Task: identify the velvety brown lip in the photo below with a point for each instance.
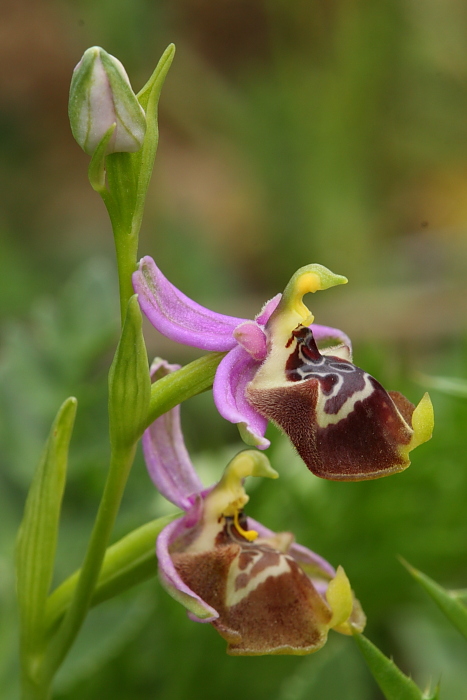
(364, 442)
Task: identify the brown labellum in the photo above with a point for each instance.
(266, 603)
(343, 423)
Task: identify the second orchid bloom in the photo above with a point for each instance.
(261, 591)
(342, 422)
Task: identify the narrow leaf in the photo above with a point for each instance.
(449, 601)
(435, 695)
(460, 595)
(129, 380)
(149, 94)
(37, 537)
(143, 160)
(128, 562)
(453, 386)
(394, 684)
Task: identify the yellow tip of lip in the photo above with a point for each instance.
(339, 597)
(423, 420)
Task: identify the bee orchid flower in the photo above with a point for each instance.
(260, 590)
(283, 367)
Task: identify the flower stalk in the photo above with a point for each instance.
(121, 177)
(129, 387)
(120, 465)
(119, 130)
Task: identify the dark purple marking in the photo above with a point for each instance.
(338, 378)
(365, 443)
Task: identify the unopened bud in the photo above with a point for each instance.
(100, 96)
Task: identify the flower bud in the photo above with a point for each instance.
(100, 96)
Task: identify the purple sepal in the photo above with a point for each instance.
(166, 456)
(170, 579)
(247, 344)
(179, 318)
(306, 557)
(233, 374)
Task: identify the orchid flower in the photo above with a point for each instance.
(342, 422)
(262, 592)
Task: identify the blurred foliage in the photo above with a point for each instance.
(290, 133)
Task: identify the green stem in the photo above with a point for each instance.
(120, 202)
(128, 562)
(179, 386)
(126, 247)
(120, 465)
(127, 178)
(166, 393)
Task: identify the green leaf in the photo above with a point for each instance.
(37, 537)
(449, 601)
(128, 174)
(129, 392)
(394, 684)
(149, 94)
(453, 386)
(129, 381)
(460, 595)
(128, 562)
(143, 160)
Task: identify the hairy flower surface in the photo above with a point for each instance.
(262, 592)
(343, 423)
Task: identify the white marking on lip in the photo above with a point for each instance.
(320, 369)
(324, 419)
(233, 597)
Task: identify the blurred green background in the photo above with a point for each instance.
(330, 131)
